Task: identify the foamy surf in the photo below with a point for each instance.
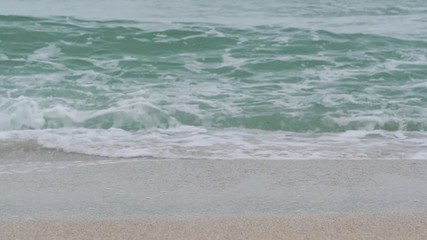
(201, 143)
(217, 80)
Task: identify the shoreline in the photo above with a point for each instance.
(139, 188)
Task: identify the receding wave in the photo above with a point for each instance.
(224, 144)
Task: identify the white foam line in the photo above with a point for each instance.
(41, 167)
(61, 167)
(50, 166)
(23, 171)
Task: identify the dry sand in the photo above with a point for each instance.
(293, 227)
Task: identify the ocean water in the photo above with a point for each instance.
(215, 79)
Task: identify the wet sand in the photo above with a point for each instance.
(61, 196)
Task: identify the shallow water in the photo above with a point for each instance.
(203, 80)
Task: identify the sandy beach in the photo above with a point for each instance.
(55, 195)
(294, 227)
(147, 119)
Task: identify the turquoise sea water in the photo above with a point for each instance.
(200, 79)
